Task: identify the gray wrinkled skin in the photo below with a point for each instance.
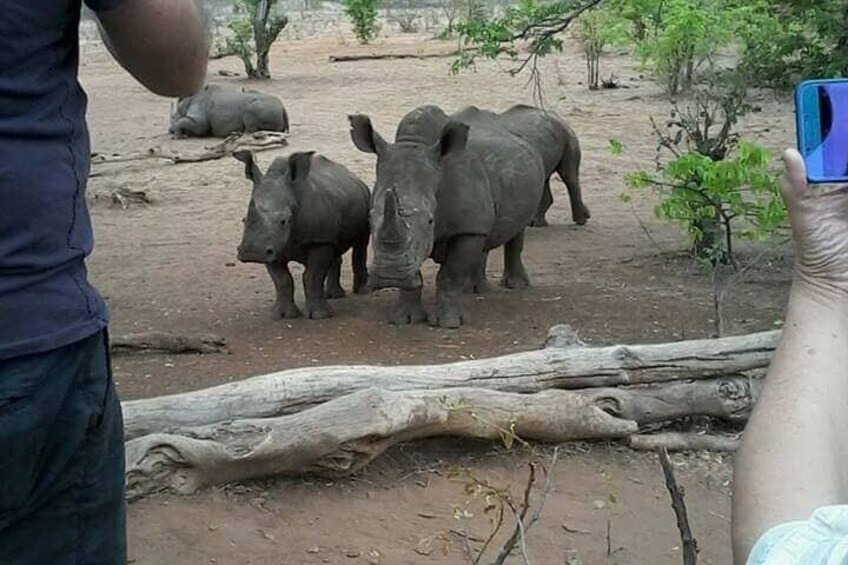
(556, 143)
(310, 210)
(218, 112)
(449, 192)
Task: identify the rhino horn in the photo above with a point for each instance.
(391, 232)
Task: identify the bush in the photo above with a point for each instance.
(716, 186)
(595, 30)
(363, 14)
(253, 30)
(783, 43)
(687, 34)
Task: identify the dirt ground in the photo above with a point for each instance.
(623, 277)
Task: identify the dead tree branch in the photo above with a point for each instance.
(690, 544)
(169, 343)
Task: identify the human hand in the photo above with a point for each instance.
(819, 224)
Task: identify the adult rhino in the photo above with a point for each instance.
(553, 139)
(218, 112)
(452, 200)
(311, 210)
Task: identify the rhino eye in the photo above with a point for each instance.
(430, 222)
(283, 222)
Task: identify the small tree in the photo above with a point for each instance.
(254, 29)
(687, 34)
(363, 14)
(595, 30)
(716, 186)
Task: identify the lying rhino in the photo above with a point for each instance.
(217, 112)
(556, 143)
(307, 209)
(471, 190)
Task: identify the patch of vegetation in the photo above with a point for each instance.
(363, 14)
(254, 28)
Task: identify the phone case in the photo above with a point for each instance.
(808, 132)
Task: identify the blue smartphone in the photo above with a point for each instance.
(821, 123)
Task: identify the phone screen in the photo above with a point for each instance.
(823, 132)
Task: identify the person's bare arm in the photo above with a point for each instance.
(794, 454)
(162, 43)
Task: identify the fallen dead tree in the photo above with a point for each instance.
(569, 366)
(258, 141)
(168, 343)
(335, 420)
(383, 56)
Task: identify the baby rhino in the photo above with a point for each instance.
(218, 112)
(310, 210)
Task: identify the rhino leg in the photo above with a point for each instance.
(569, 171)
(360, 267)
(409, 309)
(461, 264)
(284, 307)
(479, 284)
(333, 287)
(545, 204)
(514, 274)
(319, 259)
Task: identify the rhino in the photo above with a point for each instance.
(218, 112)
(451, 199)
(556, 143)
(311, 210)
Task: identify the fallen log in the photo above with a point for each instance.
(570, 367)
(383, 56)
(675, 441)
(343, 435)
(169, 343)
(258, 141)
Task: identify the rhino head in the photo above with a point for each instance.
(403, 202)
(273, 205)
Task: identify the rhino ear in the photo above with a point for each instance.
(299, 165)
(454, 138)
(364, 137)
(251, 169)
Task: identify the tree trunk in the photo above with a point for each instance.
(341, 436)
(569, 367)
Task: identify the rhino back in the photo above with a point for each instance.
(515, 177)
(332, 206)
(545, 131)
(492, 188)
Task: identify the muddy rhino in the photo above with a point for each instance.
(218, 112)
(311, 210)
(471, 190)
(554, 140)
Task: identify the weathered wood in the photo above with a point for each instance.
(553, 367)
(382, 56)
(257, 141)
(673, 441)
(689, 544)
(170, 343)
(341, 436)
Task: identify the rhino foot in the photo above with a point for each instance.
(318, 311)
(334, 292)
(402, 314)
(581, 215)
(476, 287)
(447, 320)
(286, 311)
(539, 222)
(515, 281)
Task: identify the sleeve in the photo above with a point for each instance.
(103, 5)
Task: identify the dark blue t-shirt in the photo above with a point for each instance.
(45, 231)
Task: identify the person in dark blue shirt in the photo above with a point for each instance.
(61, 432)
